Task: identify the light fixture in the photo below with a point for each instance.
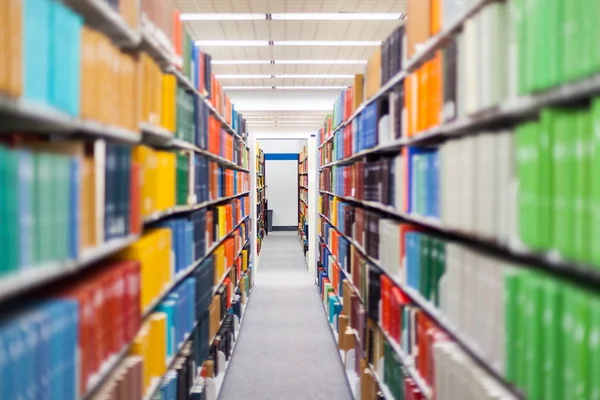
(254, 43)
(355, 43)
(315, 76)
(242, 76)
(231, 43)
(223, 17)
(316, 62)
(336, 16)
(240, 62)
(293, 17)
(284, 76)
(284, 87)
(321, 62)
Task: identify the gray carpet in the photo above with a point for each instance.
(285, 349)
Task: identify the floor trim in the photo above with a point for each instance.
(284, 228)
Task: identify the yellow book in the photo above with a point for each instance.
(222, 221)
(358, 91)
(140, 348)
(153, 253)
(334, 211)
(244, 259)
(169, 105)
(15, 19)
(219, 262)
(158, 323)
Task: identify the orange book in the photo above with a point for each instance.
(5, 55)
(177, 35)
(209, 228)
(438, 88)
(436, 16)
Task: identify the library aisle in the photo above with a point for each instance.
(285, 349)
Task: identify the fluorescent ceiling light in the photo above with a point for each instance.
(223, 17)
(320, 62)
(240, 62)
(251, 43)
(242, 76)
(282, 117)
(316, 62)
(316, 76)
(293, 17)
(336, 16)
(230, 43)
(284, 87)
(326, 43)
(284, 76)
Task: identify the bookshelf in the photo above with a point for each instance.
(136, 187)
(261, 199)
(420, 204)
(303, 199)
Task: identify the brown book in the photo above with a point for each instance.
(373, 74)
(368, 387)
(343, 323)
(349, 339)
(5, 56)
(15, 19)
(418, 26)
(347, 291)
(209, 368)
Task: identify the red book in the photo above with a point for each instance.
(177, 39)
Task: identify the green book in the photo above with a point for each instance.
(12, 212)
(553, 347)
(187, 55)
(568, 325)
(545, 171)
(586, 25)
(594, 348)
(562, 182)
(583, 178)
(425, 265)
(552, 38)
(44, 184)
(570, 167)
(595, 184)
(182, 178)
(438, 270)
(572, 51)
(528, 178)
(580, 343)
(511, 323)
(535, 337)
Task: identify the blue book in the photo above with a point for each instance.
(110, 206)
(167, 307)
(25, 208)
(188, 241)
(74, 201)
(37, 37)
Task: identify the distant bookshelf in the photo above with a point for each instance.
(261, 199)
(303, 198)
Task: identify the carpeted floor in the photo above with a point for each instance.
(285, 349)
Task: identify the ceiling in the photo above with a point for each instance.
(267, 67)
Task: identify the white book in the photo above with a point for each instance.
(471, 66)
(505, 181)
(399, 183)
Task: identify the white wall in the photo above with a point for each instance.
(282, 180)
(282, 145)
(273, 132)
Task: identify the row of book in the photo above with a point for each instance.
(114, 83)
(378, 305)
(166, 179)
(468, 183)
(63, 200)
(492, 305)
(64, 69)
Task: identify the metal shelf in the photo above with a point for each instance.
(23, 282)
(101, 16)
(157, 216)
(25, 116)
(587, 276)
